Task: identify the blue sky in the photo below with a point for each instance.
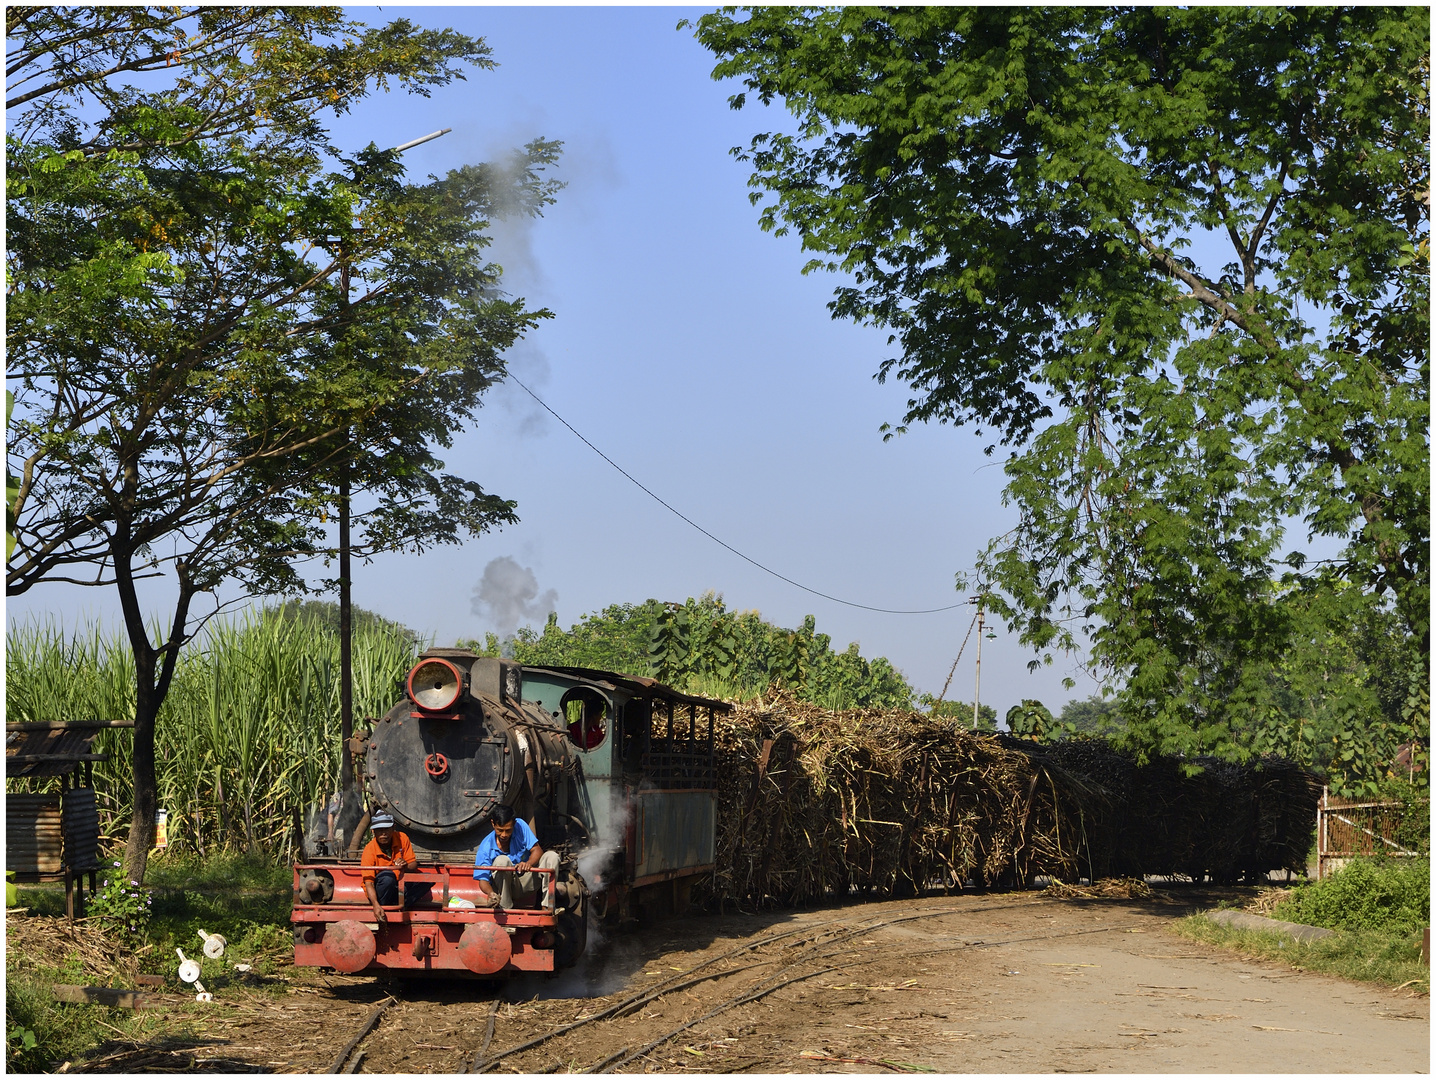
(689, 348)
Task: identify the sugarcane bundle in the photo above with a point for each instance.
(815, 804)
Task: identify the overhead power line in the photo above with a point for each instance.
(705, 532)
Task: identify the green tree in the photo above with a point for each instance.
(701, 647)
(1338, 699)
(1030, 719)
(1177, 259)
(1094, 715)
(961, 711)
(209, 327)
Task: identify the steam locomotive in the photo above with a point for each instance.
(614, 773)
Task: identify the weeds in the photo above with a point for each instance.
(1377, 907)
(121, 907)
(1360, 955)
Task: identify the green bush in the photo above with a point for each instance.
(1390, 895)
(1414, 831)
(121, 908)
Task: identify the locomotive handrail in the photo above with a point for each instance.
(552, 873)
(442, 874)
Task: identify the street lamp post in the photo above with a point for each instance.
(977, 685)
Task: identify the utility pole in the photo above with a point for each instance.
(977, 685)
(346, 617)
(346, 635)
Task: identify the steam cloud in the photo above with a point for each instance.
(511, 234)
(508, 594)
(530, 364)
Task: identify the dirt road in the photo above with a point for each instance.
(994, 983)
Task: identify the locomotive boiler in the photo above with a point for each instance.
(614, 773)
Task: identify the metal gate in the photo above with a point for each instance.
(1351, 828)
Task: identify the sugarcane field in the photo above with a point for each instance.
(757, 540)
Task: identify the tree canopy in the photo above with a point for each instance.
(215, 317)
(1177, 261)
(701, 647)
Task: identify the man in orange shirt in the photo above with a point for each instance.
(389, 849)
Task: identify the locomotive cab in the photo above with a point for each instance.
(646, 753)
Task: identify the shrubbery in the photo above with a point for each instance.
(1390, 895)
(122, 909)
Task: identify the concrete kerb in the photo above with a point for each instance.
(1240, 920)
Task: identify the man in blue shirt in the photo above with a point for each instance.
(512, 844)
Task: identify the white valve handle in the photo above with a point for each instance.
(188, 969)
(213, 945)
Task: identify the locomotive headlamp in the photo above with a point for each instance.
(435, 685)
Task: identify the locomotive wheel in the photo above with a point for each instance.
(572, 938)
(608, 905)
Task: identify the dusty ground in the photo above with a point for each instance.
(974, 983)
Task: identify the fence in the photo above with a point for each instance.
(1350, 828)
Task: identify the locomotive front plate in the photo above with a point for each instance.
(439, 775)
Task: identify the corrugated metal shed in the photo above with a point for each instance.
(81, 828)
(33, 834)
(48, 749)
(54, 833)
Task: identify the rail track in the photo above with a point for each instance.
(897, 986)
(761, 966)
(770, 961)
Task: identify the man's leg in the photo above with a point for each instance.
(533, 886)
(504, 880)
(549, 861)
(386, 888)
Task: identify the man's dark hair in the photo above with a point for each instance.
(501, 815)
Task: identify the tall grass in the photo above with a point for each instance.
(248, 733)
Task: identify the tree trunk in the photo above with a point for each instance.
(142, 823)
(154, 670)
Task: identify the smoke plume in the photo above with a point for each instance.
(508, 594)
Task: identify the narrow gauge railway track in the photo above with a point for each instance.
(791, 956)
(822, 941)
(350, 1055)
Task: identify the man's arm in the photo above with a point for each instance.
(486, 888)
(374, 900)
(402, 864)
(532, 858)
